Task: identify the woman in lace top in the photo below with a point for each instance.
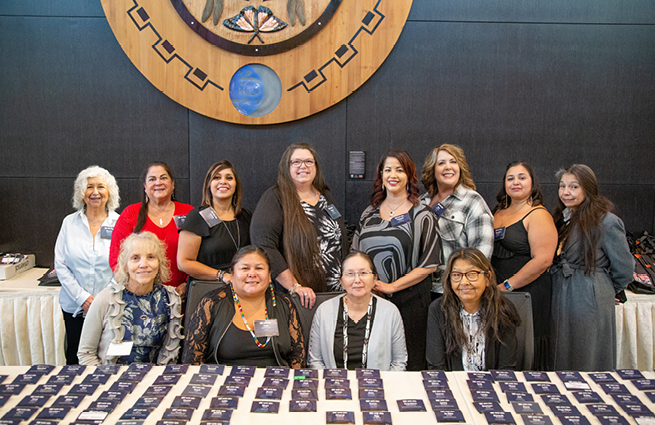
(246, 322)
(137, 316)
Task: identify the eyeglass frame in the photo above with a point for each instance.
(476, 273)
(300, 162)
(355, 274)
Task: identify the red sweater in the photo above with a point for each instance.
(168, 234)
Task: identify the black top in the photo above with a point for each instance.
(219, 243)
(238, 348)
(356, 332)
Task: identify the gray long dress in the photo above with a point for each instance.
(583, 322)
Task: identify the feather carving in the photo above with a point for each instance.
(218, 9)
(300, 11)
(291, 10)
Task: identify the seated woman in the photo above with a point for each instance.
(473, 326)
(137, 310)
(222, 329)
(358, 329)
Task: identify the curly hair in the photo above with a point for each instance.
(427, 175)
(121, 274)
(587, 217)
(536, 197)
(300, 239)
(497, 312)
(207, 198)
(379, 192)
(79, 188)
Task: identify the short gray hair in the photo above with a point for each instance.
(82, 180)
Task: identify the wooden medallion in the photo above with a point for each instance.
(257, 62)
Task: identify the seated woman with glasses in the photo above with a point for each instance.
(473, 326)
(358, 329)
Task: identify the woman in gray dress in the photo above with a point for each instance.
(592, 263)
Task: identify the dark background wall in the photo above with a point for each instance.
(552, 82)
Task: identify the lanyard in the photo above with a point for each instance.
(366, 334)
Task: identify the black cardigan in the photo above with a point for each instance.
(498, 355)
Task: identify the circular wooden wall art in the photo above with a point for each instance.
(257, 61)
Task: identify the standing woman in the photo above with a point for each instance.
(213, 233)
(155, 214)
(298, 225)
(82, 250)
(593, 263)
(464, 219)
(525, 243)
(399, 234)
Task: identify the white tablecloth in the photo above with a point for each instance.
(634, 332)
(397, 386)
(32, 327)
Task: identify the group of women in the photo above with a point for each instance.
(407, 250)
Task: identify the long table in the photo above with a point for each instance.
(32, 327)
(396, 386)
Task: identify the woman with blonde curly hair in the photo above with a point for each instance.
(137, 313)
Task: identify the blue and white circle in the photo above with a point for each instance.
(255, 90)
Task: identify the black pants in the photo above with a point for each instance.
(73, 332)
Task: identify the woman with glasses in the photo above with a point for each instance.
(299, 226)
(358, 329)
(473, 326)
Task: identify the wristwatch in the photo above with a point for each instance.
(508, 286)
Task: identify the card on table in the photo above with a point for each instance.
(103, 406)
(106, 396)
(536, 420)
(181, 413)
(225, 402)
(516, 387)
(42, 369)
(186, 401)
(521, 407)
(563, 409)
(487, 406)
(370, 383)
(109, 369)
(536, 376)
(371, 393)
(573, 420)
(637, 409)
(196, 390)
(140, 367)
(644, 384)
(584, 397)
(612, 388)
(91, 416)
(569, 375)
(234, 390)
(276, 372)
(599, 377)
(479, 376)
(305, 384)
(411, 405)
(626, 399)
(338, 394)
(367, 373)
(156, 391)
(480, 385)
(629, 374)
(265, 406)
(555, 399)
(270, 393)
(433, 394)
(484, 395)
(136, 414)
(34, 400)
(148, 403)
(523, 397)
(335, 373)
(337, 383)
(83, 389)
(243, 370)
(72, 369)
(602, 409)
(303, 394)
(27, 378)
(176, 369)
(444, 404)
(302, 406)
(433, 374)
(377, 418)
(132, 376)
(61, 379)
(217, 415)
(542, 388)
(435, 384)
(612, 419)
(242, 380)
(503, 375)
(340, 417)
(449, 415)
(276, 382)
(305, 374)
(212, 369)
(47, 389)
(499, 418)
(373, 405)
(128, 387)
(96, 378)
(167, 380)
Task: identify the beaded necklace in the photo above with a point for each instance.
(243, 317)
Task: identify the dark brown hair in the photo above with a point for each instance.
(246, 250)
(504, 200)
(207, 198)
(143, 211)
(587, 217)
(380, 194)
(427, 175)
(362, 255)
(301, 249)
(497, 312)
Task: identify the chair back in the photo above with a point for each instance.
(195, 292)
(307, 314)
(525, 332)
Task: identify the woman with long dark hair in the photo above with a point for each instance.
(592, 264)
(155, 213)
(399, 234)
(525, 243)
(473, 326)
(299, 226)
(214, 232)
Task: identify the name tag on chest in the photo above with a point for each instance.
(106, 231)
(266, 328)
(179, 220)
(438, 209)
(210, 217)
(400, 219)
(333, 211)
(499, 233)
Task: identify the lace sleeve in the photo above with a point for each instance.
(197, 334)
(298, 353)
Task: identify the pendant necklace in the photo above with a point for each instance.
(393, 210)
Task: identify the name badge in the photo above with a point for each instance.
(210, 217)
(499, 233)
(105, 232)
(120, 349)
(266, 328)
(179, 220)
(438, 208)
(333, 211)
(400, 219)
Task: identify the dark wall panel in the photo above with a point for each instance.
(82, 8)
(554, 11)
(256, 151)
(69, 97)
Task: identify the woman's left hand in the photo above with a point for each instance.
(181, 289)
(385, 288)
(307, 296)
(501, 287)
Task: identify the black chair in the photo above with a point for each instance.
(524, 333)
(196, 290)
(307, 314)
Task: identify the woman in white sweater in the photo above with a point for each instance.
(358, 329)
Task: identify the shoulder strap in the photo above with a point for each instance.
(533, 210)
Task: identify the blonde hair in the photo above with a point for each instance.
(427, 175)
(121, 274)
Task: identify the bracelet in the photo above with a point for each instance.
(293, 288)
(219, 276)
(508, 286)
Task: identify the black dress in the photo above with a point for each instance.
(510, 255)
(221, 242)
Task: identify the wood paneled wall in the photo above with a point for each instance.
(551, 82)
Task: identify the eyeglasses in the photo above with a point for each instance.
(471, 276)
(352, 275)
(298, 162)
